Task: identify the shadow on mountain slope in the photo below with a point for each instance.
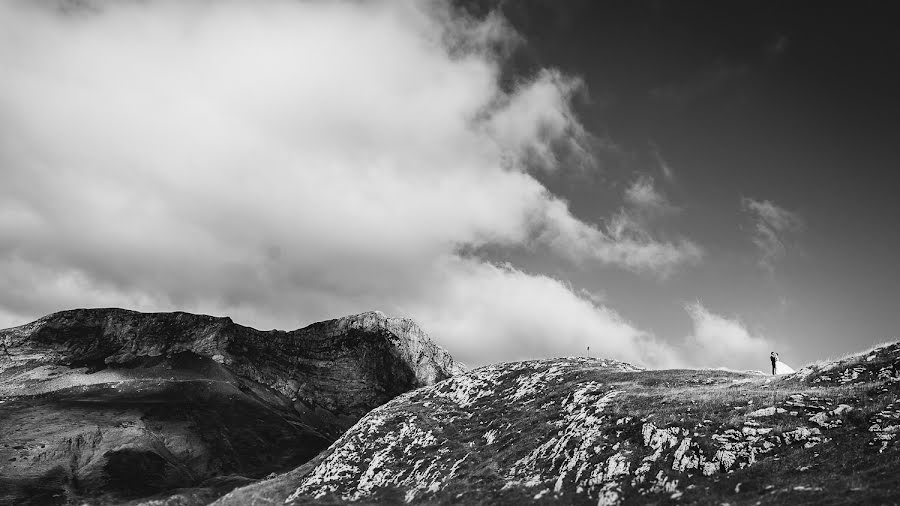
(106, 406)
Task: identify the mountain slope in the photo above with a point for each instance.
(115, 404)
(586, 431)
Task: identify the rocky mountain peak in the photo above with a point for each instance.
(405, 357)
(129, 404)
(431, 362)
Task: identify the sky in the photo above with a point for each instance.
(690, 184)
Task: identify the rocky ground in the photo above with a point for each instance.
(108, 406)
(116, 407)
(588, 431)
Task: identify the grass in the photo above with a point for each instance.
(860, 355)
(839, 466)
(824, 474)
(842, 471)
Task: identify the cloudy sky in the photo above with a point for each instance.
(688, 184)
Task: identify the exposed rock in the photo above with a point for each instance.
(770, 411)
(112, 404)
(591, 431)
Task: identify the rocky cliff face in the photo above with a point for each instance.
(586, 431)
(109, 404)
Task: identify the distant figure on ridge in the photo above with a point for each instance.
(774, 358)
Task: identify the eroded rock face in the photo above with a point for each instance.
(109, 404)
(588, 431)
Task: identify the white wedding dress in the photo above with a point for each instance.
(782, 368)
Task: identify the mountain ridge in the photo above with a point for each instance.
(594, 431)
(122, 336)
(366, 409)
(116, 404)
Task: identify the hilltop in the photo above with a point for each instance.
(108, 405)
(116, 407)
(592, 431)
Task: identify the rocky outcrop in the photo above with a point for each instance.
(588, 431)
(109, 404)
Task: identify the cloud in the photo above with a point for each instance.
(773, 227)
(625, 241)
(664, 166)
(645, 206)
(717, 341)
(540, 111)
(643, 196)
(285, 162)
(506, 314)
(701, 84)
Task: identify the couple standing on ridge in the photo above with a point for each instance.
(774, 358)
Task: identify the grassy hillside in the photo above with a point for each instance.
(592, 431)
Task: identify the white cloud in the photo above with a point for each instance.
(630, 230)
(772, 229)
(540, 111)
(645, 200)
(718, 341)
(507, 314)
(643, 194)
(625, 241)
(284, 162)
(664, 166)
